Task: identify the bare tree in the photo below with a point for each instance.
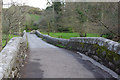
(103, 17)
(48, 17)
(0, 25)
(15, 19)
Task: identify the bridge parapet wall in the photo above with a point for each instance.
(105, 51)
(12, 57)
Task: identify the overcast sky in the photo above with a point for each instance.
(42, 3)
(35, 3)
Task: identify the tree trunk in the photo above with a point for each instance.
(119, 22)
(0, 25)
(48, 28)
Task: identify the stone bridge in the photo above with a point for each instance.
(36, 56)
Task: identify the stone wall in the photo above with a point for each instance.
(104, 51)
(12, 57)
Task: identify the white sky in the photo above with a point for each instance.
(35, 3)
(42, 3)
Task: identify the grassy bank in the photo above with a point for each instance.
(35, 17)
(5, 37)
(69, 35)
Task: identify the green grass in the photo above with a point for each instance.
(4, 38)
(35, 17)
(69, 35)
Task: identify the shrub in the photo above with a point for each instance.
(64, 29)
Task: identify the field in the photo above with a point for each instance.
(35, 17)
(4, 38)
(69, 35)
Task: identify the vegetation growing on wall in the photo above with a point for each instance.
(104, 56)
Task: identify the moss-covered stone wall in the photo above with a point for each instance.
(104, 51)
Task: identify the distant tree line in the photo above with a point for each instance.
(82, 17)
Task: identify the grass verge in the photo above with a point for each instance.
(69, 35)
(4, 37)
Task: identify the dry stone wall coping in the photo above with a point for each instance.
(109, 44)
(12, 56)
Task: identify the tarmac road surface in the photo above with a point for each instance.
(47, 61)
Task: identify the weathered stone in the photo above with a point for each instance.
(10, 57)
(118, 70)
(111, 65)
(93, 52)
(100, 49)
(117, 62)
(103, 53)
(96, 58)
(32, 32)
(86, 53)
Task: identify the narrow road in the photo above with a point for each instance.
(48, 61)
